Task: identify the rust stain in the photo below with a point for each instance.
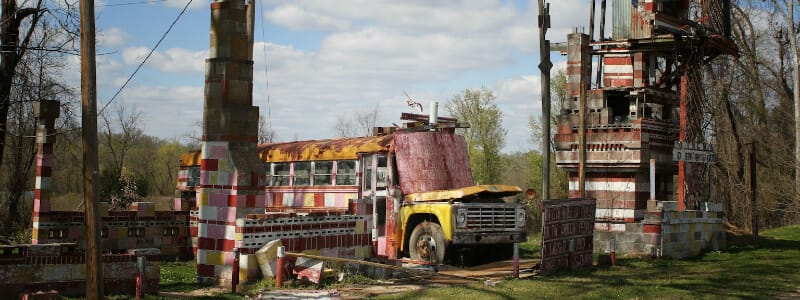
(191, 158)
(498, 190)
(331, 149)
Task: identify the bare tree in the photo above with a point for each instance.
(25, 28)
(120, 134)
(358, 124)
(30, 67)
(265, 132)
(786, 9)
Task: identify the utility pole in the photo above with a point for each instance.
(544, 67)
(94, 268)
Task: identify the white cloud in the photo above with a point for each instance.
(113, 37)
(298, 18)
(174, 60)
(368, 54)
(181, 3)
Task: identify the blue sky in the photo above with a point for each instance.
(328, 59)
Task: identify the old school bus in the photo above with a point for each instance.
(415, 184)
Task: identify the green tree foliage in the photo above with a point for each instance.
(559, 179)
(485, 136)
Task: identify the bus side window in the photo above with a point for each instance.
(194, 176)
(381, 173)
(346, 172)
(302, 173)
(280, 174)
(323, 173)
(268, 172)
(366, 178)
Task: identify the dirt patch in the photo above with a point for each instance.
(446, 276)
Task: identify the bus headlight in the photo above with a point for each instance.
(461, 218)
(520, 218)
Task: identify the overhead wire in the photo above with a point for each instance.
(130, 3)
(266, 74)
(139, 67)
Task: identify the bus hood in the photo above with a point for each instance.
(498, 190)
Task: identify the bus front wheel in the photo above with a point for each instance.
(427, 243)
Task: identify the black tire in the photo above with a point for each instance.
(427, 243)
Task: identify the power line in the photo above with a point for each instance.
(146, 57)
(131, 3)
(266, 74)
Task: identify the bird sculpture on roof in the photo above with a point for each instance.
(412, 103)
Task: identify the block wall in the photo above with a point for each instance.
(62, 267)
(666, 232)
(141, 227)
(333, 235)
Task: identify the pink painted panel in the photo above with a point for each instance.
(218, 199)
(429, 161)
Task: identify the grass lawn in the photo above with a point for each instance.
(767, 268)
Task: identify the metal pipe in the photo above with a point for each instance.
(140, 276)
(516, 260)
(652, 179)
(94, 265)
(235, 270)
(281, 262)
(434, 116)
(591, 20)
(601, 37)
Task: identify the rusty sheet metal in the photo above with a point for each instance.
(333, 149)
(191, 158)
(621, 25)
(430, 161)
(497, 190)
(567, 234)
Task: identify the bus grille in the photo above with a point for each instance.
(491, 218)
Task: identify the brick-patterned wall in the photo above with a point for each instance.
(666, 231)
(141, 227)
(62, 267)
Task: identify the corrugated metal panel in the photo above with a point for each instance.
(621, 10)
(429, 161)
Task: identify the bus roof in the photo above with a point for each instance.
(331, 149)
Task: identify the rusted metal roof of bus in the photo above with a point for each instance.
(332, 149)
(191, 158)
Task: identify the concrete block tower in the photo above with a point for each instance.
(641, 112)
(231, 176)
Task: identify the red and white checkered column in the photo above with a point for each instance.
(46, 111)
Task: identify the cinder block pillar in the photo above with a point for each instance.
(231, 174)
(47, 111)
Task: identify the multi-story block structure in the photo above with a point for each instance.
(640, 112)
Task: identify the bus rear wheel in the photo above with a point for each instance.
(427, 243)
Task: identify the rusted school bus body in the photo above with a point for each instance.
(416, 185)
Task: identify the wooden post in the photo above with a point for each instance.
(544, 66)
(682, 138)
(754, 188)
(94, 267)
